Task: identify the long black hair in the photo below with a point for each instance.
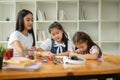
(59, 26)
(20, 22)
(84, 37)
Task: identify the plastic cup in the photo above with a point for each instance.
(29, 54)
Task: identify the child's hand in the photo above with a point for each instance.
(77, 51)
(49, 54)
(46, 53)
(72, 54)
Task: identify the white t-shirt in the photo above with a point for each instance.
(24, 40)
(47, 45)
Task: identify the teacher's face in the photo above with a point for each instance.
(28, 21)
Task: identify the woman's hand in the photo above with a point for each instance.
(33, 48)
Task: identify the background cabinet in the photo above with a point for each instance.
(99, 18)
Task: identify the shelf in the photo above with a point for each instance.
(26, 5)
(99, 18)
(48, 8)
(110, 48)
(7, 22)
(50, 21)
(2, 42)
(88, 21)
(90, 28)
(90, 1)
(64, 10)
(5, 8)
(110, 41)
(116, 21)
(44, 28)
(110, 31)
(24, 1)
(6, 30)
(88, 10)
(39, 42)
(72, 21)
(110, 10)
(6, 1)
(66, 21)
(70, 28)
(110, 1)
(69, 21)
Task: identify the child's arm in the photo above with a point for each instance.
(70, 49)
(45, 46)
(62, 54)
(40, 50)
(86, 56)
(45, 53)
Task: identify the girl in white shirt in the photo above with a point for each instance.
(86, 48)
(23, 38)
(59, 42)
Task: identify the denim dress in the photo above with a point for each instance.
(58, 48)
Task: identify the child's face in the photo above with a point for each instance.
(56, 34)
(28, 21)
(82, 46)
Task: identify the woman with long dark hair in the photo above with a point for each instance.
(23, 37)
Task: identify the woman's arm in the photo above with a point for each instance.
(18, 47)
